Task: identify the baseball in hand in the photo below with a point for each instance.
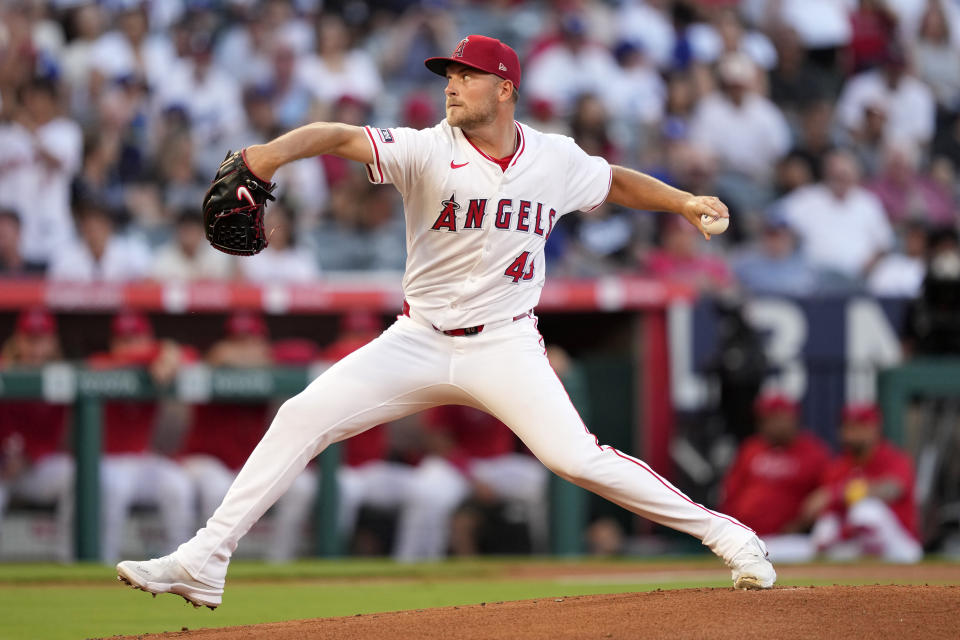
(714, 225)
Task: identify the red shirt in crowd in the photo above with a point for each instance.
(766, 486)
(41, 427)
(885, 463)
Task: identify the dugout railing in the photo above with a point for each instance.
(86, 390)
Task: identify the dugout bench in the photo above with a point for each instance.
(86, 390)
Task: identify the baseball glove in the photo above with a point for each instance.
(233, 208)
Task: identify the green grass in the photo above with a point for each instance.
(40, 602)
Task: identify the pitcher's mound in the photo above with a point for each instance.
(901, 612)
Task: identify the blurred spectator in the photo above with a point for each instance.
(99, 254)
(364, 230)
(284, 261)
(572, 66)
(865, 504)
(601, 242)
(244, 50)
(773, 265)
(640, 97)
(131, 50)
(936, 55)
(931, 327)
(468, 451)
(99, 180)
(210, 97)
(34, 466)
(900, 274)
(906, 193)
(339, 69)
(40, 152)
(12, 262)
(906, 100)
(189, 256)
(795, 81)
(793, 172)
(947, 143)
(289, 90)
(867, 142)
(814, 133)
(422, 31)
(841, 225)
(83, 25)
(680, 258)
(648, 23)
(873, 27)
(221, 435)
(773, 474)
(823, 25)
(726, 33)
(744, 130)
(589, 124)
(130, 472)
(679, 107)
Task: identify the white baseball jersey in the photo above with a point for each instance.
(476, 232)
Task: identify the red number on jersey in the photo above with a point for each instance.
(518, 268)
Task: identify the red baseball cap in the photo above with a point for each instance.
(246, 324)
(775, 403)
(863, 413)
(36, 322)
(483, 53)
(128, 324)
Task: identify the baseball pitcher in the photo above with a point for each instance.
(481, 195)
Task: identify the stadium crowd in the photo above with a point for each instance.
(830, 127)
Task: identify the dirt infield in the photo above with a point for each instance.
(902, 612)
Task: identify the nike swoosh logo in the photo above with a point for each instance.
(243, 192)
(457, 166)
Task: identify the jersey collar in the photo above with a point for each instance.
(509, 161)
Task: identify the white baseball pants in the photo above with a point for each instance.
(49, 480)
(436, 488)
(412, 367)
(148, 478)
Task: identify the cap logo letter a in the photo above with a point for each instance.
(458, 52)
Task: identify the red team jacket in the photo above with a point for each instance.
(128, 424)
(766, 485)
(42, 427)
(886, 462)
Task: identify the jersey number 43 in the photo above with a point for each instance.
(518, 270)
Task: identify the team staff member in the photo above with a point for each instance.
(481, 195)
(130, 472)
(221, 436)
(774, 472)
(469, 451)
(865, 503)
(34, 467)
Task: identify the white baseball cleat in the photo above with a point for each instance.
(166, 575)
(750, 567)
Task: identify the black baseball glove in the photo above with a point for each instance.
(233, 208)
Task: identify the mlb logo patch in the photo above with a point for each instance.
(385, 135)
